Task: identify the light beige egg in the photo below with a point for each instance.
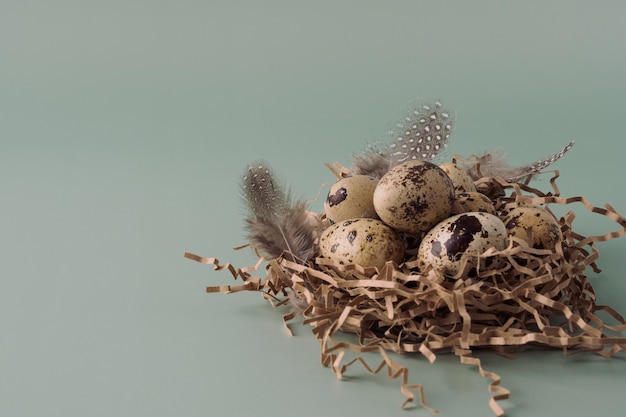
(362, 241)
(535, 225)
(351, 197)
(460, 177)
(462, 236)
(475, 201)
(414, 196)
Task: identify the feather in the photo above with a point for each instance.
(276, 224)
(422, 134)
(494, 165)
(298, 304)
(374, 162)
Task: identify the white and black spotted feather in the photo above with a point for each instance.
(421, 134)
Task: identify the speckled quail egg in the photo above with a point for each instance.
(414, 196)
(351, 197)
(460, 177)
(461, 236)
(362, 241)
(535, 225)
(475, 201)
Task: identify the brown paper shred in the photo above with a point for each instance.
(338, 170)
(501, 393)
(527, 297)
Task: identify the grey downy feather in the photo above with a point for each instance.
(276, 224)
(493, 164)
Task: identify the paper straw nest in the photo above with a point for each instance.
(532, 297)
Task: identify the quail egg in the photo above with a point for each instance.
(535, 225)
(475, 201)
(414, 196)
(362, 241)
(460, 177)
(351, 197)
(462, 236)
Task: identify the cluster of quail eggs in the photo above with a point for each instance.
(426, 212)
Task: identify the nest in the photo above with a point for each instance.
(527, 297)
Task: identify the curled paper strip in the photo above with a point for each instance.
(527, 297)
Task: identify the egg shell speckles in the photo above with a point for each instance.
(351, 197)
(545, 231)
(414, 196)
(458, 237)
(475, 201)
(461, 179)
(365, 242)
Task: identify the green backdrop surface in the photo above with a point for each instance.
(126, 125)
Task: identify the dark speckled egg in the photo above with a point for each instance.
(535, 225)
(414, 196)
(361, 241)
(351, 197)
(461, 179)
(461, 236)
(475, 201)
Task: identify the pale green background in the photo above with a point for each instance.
(125, 125)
